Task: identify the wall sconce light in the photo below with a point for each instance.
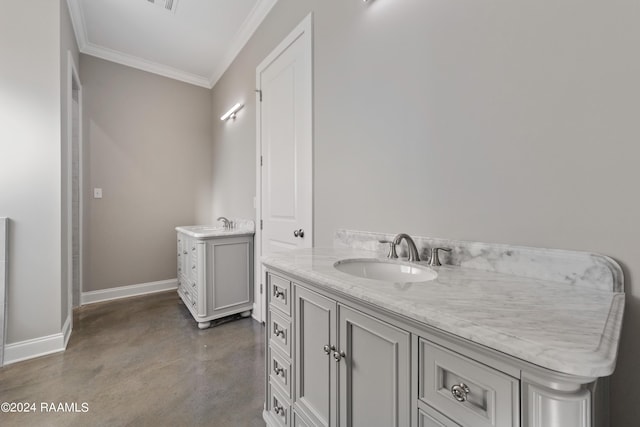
(231, 114)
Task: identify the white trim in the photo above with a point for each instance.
(145, 65)
(73, 76)
(29, 349)
(259, 298)
(305, 27)
(248, 27)
(66, 330)
(302, 28)
(93, 297)
(77, 22)
(4, 284)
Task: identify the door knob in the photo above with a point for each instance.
(298, 233)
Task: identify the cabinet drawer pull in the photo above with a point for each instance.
(338, 355)
(277, 332)
(184, 252)
(193, 267)
(460, 391)
(277, 293)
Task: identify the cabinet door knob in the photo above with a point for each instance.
(460, 392)
(338, 355)
(279, 410)
(278, 332)
(298, 233)
(279, 371)
(328, 349)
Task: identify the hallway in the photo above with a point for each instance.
(144, 362)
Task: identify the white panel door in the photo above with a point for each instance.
(285, 147)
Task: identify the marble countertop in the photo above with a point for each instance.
(210, 231)
(558, 326)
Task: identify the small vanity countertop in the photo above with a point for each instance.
(558, 326)
(209, 231)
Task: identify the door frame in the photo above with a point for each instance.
(73, 78)
(305, 30)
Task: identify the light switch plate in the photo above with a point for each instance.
(97, 193)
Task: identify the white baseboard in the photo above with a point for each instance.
(36, 347)
(93, 297)
(29, 349)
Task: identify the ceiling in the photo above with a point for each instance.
(195, 42)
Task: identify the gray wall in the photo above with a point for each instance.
(149, 143)
(67, 44)
(30, 166)
(511, 122)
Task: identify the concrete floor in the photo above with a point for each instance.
(144, 362)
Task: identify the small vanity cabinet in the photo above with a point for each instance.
(337, 361)
(215, 272)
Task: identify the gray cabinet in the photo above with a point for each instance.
(314, 322)
(545, 407)
(351, 369)
(279, 367)
(470, 393)
(375, 371)
(335, 362)
(215, 276)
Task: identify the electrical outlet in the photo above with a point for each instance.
(97, 193)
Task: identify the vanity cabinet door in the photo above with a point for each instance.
(374, 370)
(315, 367)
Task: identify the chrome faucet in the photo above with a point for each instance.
(411, 246)
(413, 251)
(225, 222)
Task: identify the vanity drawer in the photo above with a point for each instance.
(280, 371)
(470, 393)
(298, 421)
(433, 419)
(278, 407)
(280, 293)
(189, 299)
(280, 332)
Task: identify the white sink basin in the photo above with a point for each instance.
(386, 271)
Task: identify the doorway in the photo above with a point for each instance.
(284, 187)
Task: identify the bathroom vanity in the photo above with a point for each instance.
(498, 336)
(215, 270)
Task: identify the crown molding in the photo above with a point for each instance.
(77, 22)
(248, 27)
(144, 65)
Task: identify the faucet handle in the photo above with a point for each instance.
(392, 249)
(435, 259)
